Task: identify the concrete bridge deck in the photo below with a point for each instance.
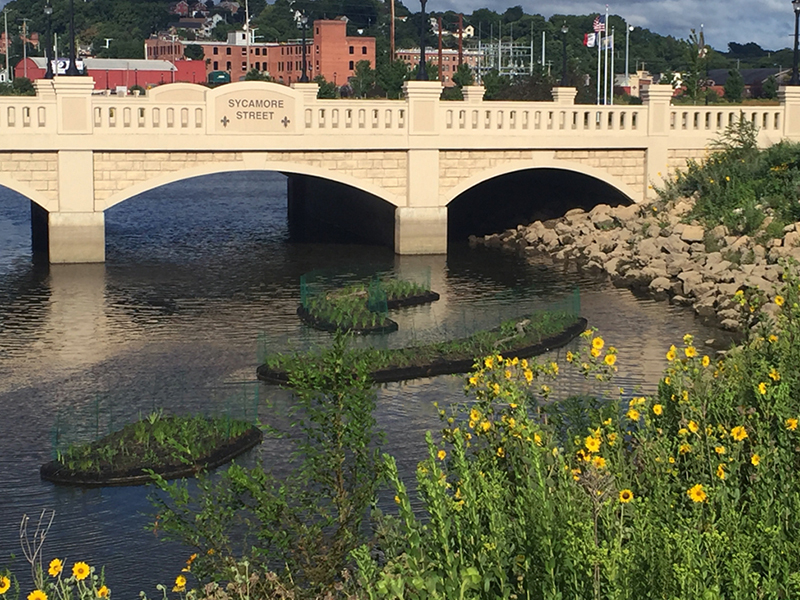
(75, 154)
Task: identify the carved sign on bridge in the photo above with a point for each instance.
(255, 111)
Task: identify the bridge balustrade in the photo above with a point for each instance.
(356, 116)
(717, 119)
(138, 114)
(22, 113)
(541, 116)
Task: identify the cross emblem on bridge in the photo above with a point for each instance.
(224, 121)
(285, 121)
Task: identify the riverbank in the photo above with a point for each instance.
(658, 250)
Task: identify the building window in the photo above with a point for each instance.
(351, 65)
(216, 50)
(258, 51)
(244, 50)
(352, 50)
(227, 50)
(244, 66)
(228, 66)
(216, 66)
(363, 49)
(317, 30)
(317, 49)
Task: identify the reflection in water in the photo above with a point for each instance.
(199, 279)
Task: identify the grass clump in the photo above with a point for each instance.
(739, 185)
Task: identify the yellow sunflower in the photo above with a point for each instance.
(55, 568)
(80, 570)
(738, 433)
(441, 454)
(625, 496)
(37, 595)
(5, 584)
(658, 409)
(103, 592)
(598, 343)
(696, 493)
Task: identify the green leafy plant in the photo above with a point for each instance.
(310, 520)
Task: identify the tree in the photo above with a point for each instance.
(193, 52)
(734, 86)
(391, 76)
(363, 80)
(463, 75)
(494, 84)
(256, 75)
(769, 89)
(327, 89)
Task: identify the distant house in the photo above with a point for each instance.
(230, 6)
(180, 8)
(754, 79)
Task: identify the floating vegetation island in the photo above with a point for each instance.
(170, 446)
(361, 307)
(529, 336)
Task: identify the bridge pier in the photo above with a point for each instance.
(76, 237)
(420, 230)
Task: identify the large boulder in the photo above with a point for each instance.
(692, 233)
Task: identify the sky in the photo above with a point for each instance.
(769, 23)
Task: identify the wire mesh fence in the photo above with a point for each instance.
(433, 322)
(105, 414)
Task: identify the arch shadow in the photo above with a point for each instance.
(506, 197)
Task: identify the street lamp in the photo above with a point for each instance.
(72, 70)
(628, 30)
(48, 50)
(422, 71)
(795, 79)
(564, 31)
(302, 21)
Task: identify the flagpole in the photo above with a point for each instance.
(597, 39)
(605, 65)
(612, 66)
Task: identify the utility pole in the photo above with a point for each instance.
(25, 46)
(441, 65)
(247, 33)
(460, 39)
(391, 33)
(5, 19)
(628, 29)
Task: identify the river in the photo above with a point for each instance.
(200, 278)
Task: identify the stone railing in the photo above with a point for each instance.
(68, 106)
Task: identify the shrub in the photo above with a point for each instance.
(688, 494)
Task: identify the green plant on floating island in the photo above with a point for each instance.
(511, 335)
(360, 306)
(345, 309)
(157, 442)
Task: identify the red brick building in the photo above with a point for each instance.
(471, 58)
(330, 52)
(109, 73)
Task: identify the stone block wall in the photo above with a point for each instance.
(36, 170)
(114, 172)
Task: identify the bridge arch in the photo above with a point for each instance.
(520, 192)
(39, 198)
(633, 194)
(293, 168)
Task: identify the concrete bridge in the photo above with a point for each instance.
(397, 163)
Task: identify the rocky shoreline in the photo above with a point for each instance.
(659, 250)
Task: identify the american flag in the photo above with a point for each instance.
(599, 23)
